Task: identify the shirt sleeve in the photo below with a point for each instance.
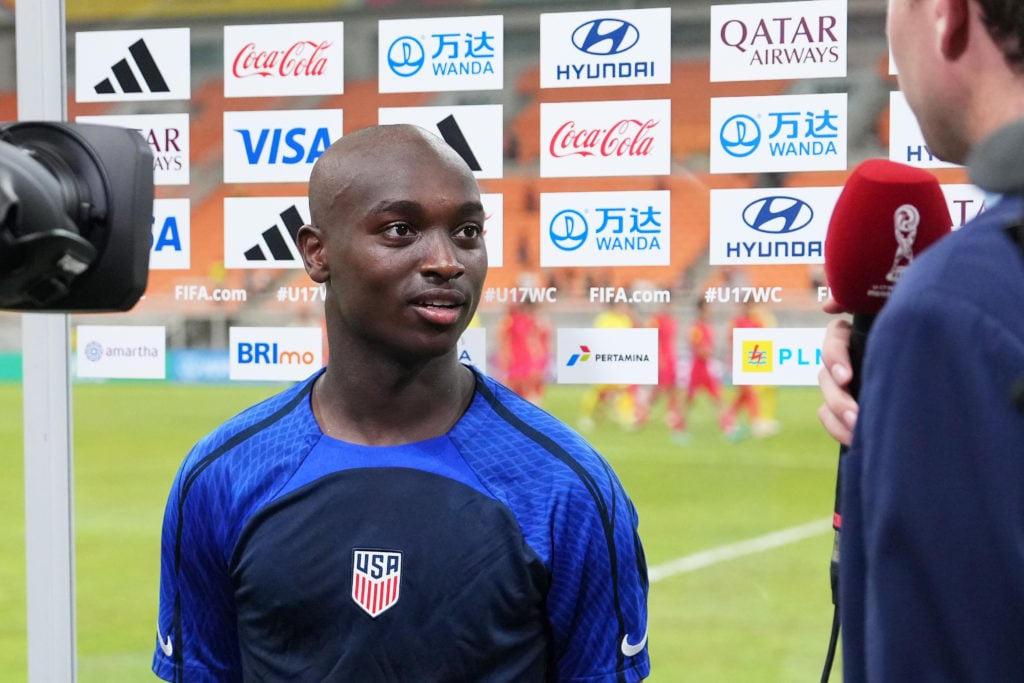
(942, 496)
(597, 603)
(196, 633)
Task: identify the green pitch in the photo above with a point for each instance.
(734, 613)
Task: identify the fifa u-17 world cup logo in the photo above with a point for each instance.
(905, 221)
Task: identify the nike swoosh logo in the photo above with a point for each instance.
(631, 650)
(167, 647)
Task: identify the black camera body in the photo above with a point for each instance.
(76, 214)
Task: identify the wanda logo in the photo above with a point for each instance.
(627, 138)
(302, 58)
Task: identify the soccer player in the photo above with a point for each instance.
(398, 516)
(702, 377)
(665, 322)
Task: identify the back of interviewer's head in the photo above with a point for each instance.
(886, 214)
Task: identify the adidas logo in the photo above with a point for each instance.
(125, 75)
(275, 240)
(453, 135)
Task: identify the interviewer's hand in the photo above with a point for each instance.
(838, 414)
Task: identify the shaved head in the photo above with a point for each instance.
(370, 154)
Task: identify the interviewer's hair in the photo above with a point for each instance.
(1004, 20)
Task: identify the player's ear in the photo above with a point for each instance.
(314, 255)
(953, 25)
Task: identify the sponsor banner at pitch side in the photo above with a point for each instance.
(121, 351)
(172, 235)
(605, 47)
(473, 348)
(779, 133)
(441, 54)
(607, 356)
(770, 225)
(133, 65)
(582, 229)
(260, 232)
(779, 40)
(906, 143)
(777, 356)
(167, 136)
(277, 146)
(474, 131)
(268, 60)
(284, 354)
(609, 138)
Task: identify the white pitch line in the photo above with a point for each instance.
(724, 553)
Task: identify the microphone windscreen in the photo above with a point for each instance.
(886, 214)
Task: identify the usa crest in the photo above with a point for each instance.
(376, 579)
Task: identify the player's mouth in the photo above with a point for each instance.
(439, 310)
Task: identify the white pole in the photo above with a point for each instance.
(46, 378)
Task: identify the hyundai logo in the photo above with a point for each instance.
(778, 215)
(604, 37)
(740, 136)
(568, 230)
(406, 56)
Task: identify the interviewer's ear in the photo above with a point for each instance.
(952, 22)
(314, 257)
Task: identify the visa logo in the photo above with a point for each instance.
(168, 236)
(284, 146)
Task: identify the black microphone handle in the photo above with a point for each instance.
(859, 330)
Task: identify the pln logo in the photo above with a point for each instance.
(757, 356)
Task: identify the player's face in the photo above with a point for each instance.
(406, 253)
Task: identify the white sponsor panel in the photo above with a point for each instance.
(611, 138)
(605, 47)
(778, 133)
(964, 201)
(607, 356)
(779, 40)
(770, 225)
(286, 354)
(172, 235)
(494, 228)
(121, 351)
(267, 60)
(277, 146)
(473, 348)
(582, 229)
(441, 54)
(778, 356)
(259, 232)
(133, 65)
(906, 143)
(475, 131)
(167, 136)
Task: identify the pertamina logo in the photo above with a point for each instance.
(284, 59)
(277, 146)
(132, 65)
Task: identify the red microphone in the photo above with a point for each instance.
(886, 214)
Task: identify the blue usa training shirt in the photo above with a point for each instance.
(504, 550)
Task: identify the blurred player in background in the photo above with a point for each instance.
(618, 399)
(745, 398)
(523, 339)
(702, 375)
(668, 373)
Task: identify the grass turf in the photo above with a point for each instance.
(760, 617)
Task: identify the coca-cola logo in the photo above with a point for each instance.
(626, 138)
(302, 58)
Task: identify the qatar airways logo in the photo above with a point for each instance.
(283, 59)
(605, 138)
(778, 40)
